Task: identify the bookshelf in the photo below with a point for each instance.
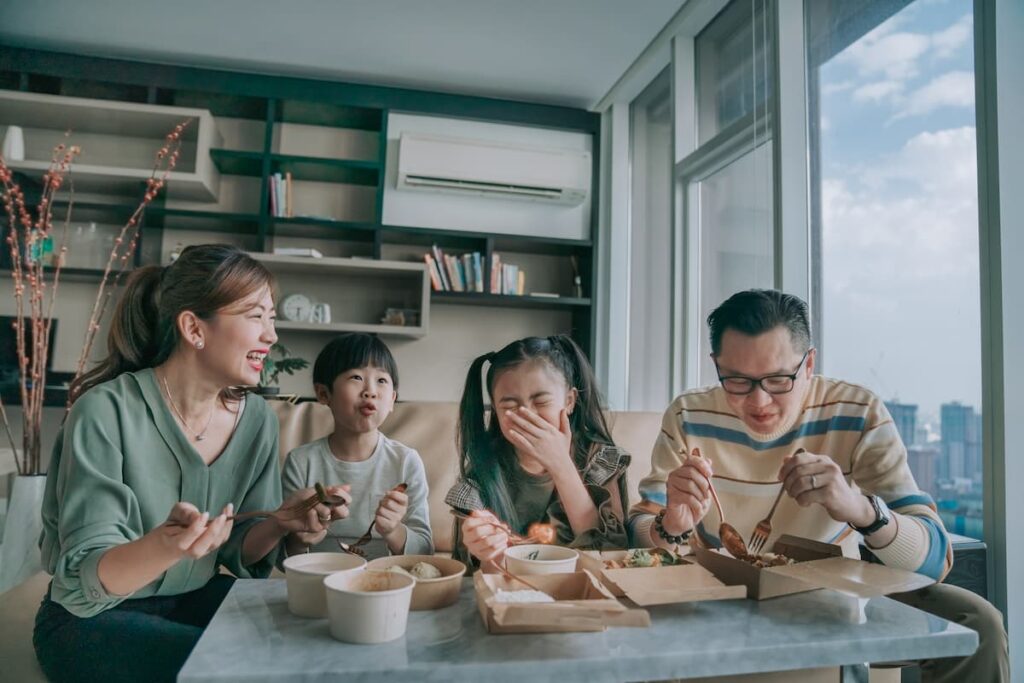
(332, 138)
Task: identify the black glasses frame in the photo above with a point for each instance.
(759, 381)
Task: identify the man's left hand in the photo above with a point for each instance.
(810, 478)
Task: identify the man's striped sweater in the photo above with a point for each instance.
(843, 421)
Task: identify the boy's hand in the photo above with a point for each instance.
(391, 512)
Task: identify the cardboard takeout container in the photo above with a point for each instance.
(581, 604)
(646, 586)
(818, 565)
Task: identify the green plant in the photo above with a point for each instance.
(283, 363)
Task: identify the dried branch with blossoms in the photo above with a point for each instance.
(36, 284)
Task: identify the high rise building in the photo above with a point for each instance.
(905, 417)
(923, 460)
(961, 442)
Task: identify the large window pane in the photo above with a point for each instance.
(736, 236)
(650, 307)
(733, 78)
(894, 203)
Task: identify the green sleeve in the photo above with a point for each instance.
(263, 494)
(93, 508)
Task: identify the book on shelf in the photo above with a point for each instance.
(451, 273)
(280, 188)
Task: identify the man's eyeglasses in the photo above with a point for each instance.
(773, 384)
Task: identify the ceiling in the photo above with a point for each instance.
(565, 52)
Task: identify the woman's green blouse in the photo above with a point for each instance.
(120, 464)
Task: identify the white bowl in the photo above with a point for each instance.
(549, 559)
(305, 574)
(368, 607)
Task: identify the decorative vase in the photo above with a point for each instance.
(14, 144)
(19, 554)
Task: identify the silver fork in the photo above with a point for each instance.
(764, 528)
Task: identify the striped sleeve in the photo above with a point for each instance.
(880, 467)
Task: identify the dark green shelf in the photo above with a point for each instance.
(237, 162)
(212, 221)
(508, 300)
(349, 171)
(328, 114)
(77, 274)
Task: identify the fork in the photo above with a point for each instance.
(764, 528)
(293, 511)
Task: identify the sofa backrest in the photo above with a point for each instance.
(430, 429)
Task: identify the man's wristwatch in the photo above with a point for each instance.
(882, 516)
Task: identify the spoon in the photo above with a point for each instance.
(727, 533)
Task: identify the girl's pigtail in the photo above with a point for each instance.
(472, 427)
(587, 421)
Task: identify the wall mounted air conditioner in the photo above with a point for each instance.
(493, 169)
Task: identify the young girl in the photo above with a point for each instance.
(545, 455)
(356, 376)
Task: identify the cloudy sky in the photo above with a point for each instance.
(900, 217)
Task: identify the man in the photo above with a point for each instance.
(833, 447)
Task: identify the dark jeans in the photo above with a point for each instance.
(147, 639)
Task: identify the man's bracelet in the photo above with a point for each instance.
(664, 535)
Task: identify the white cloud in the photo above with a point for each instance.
(952, 89)
(946, 42)
(894, 55)
(900, 268)
(877, 91)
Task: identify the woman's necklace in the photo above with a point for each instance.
(198, 436)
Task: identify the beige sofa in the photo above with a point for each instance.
(427, 427)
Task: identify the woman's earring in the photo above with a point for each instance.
(199, 344)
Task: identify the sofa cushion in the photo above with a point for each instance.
(430, 428)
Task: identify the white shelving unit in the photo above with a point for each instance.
(119, 141)
(357, 290)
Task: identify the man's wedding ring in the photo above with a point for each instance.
(814, 484)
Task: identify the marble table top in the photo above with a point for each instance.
(253, 637)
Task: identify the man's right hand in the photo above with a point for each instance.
(688, 489)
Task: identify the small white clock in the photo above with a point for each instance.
(297, 308)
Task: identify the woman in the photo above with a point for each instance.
(157, 454)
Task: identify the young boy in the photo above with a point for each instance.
(356, 376)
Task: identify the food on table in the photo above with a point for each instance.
(541, 532)
(767, 560)
(522, 596)
(425, 570)
(642, 557)
(420, 570)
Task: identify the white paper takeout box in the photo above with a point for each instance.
(581, 604)
(818, 565)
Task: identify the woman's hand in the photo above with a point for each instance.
(484, 536)
(189, 533)
(533, 436)
(311, 528)
(688, 490)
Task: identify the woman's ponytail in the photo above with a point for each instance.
(134, 338)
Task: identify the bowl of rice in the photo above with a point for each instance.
(438, 579)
